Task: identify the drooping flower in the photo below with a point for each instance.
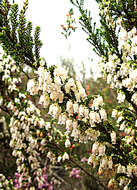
(65, 156)
(113, 137)
(67, 143)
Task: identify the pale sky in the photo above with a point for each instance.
(49, 15)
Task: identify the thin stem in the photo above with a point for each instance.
(128, 98)
(97, 181)
(5, 110)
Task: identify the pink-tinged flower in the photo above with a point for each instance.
(84, 159)
(75, 173)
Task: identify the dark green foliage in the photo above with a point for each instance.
(22, 25)
(105, 41)
(109, 36)
(126, 9)
(105, 38)
(6, 7)
(37, 42)
(29, 38)
(14, 22)
(16, 34)
(95, 36)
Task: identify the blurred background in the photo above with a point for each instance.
(50, 15)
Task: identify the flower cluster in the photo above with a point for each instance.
(120, 70)
(5, 183)
(74, 118)
(44, 184)
(23, 125)
(66, 102)
(120, 65)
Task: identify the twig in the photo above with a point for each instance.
(5, 110)
(97, 181)
(2, 12)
